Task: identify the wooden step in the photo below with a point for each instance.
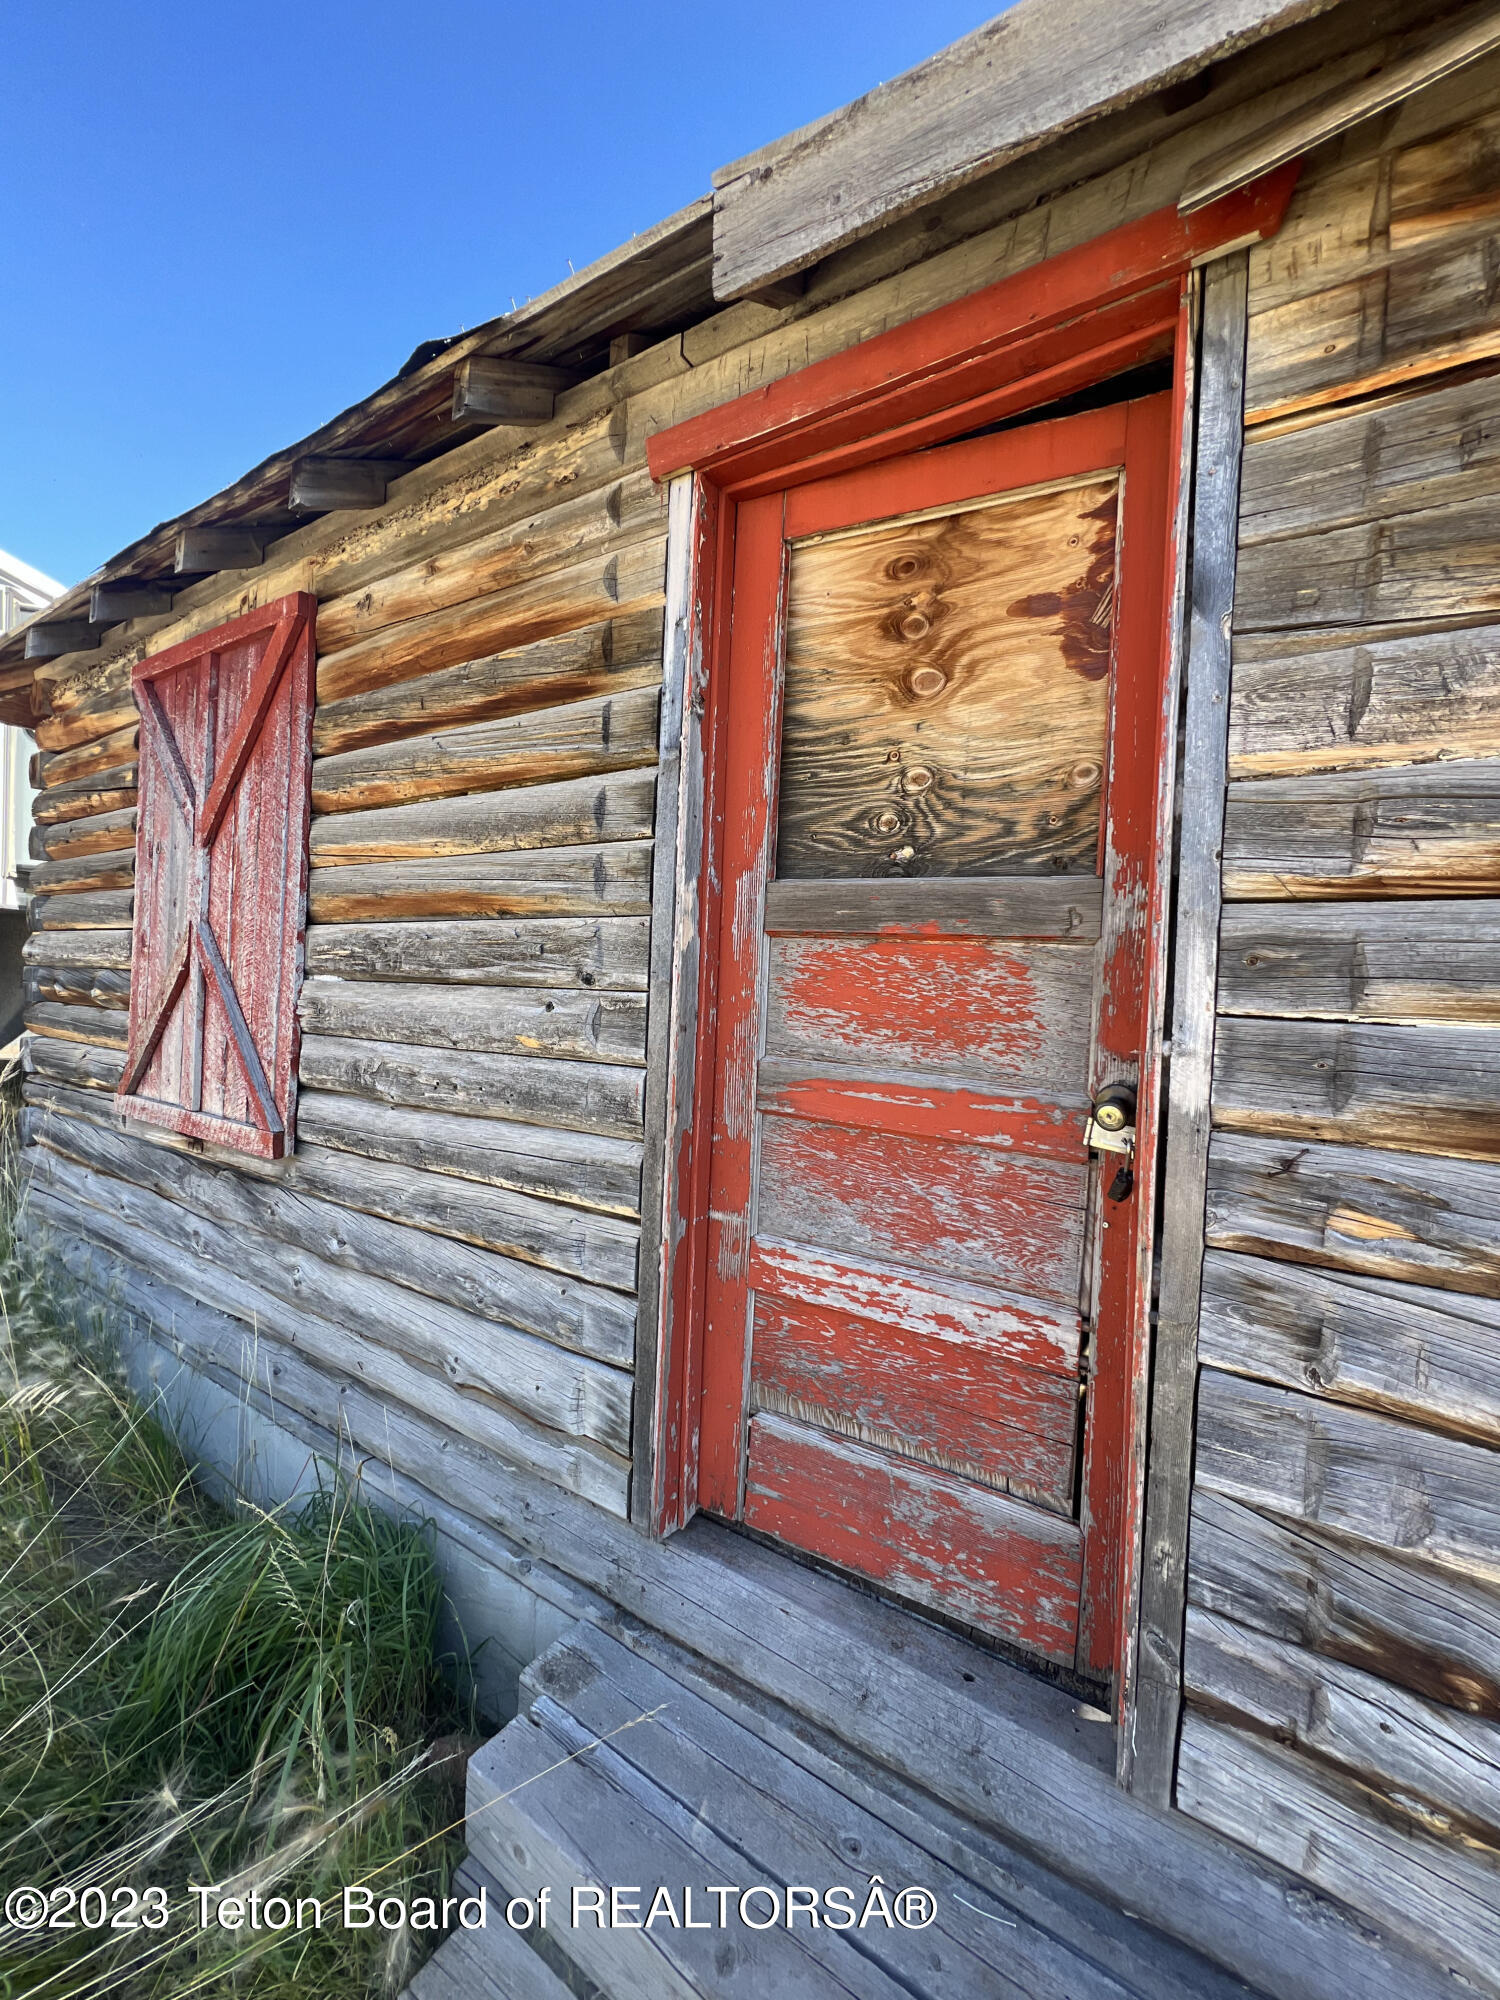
(495, 1963)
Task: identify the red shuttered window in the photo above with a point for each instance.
(221, 880)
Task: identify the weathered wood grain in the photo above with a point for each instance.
(969, 1212)
(77, 1024)
(546, 882)
(85, 760)
(94, 833)
(1427, 830)
(103, 909)
(75, 1063)
(105, 792)
(345, 1362)
(1374, 698)
(1405, 961)
(941, 1541)
(1422, 1090)
(540, 1021)
(1387, 1215)
(78, 986)
(1443, 1897)
(85, 873)
(1406, 1622)
(1443, 1766)
(985, 906)
(1437, 563)
(572, 813)
(597, 659)
(484, 1358)
(946, 702)
(581, 1097)
(483, 1250)
(590, 1169)
(1426, 1356)
(540, 608)
(1358, 1474)
(75, 948)
(605, 954)
(99, 705)
(605, 733)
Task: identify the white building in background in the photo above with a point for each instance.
(23, 590)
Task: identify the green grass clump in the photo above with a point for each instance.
(190, 1693)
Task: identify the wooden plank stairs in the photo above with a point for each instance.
(638, 1764)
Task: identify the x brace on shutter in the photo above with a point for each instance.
(196, 945)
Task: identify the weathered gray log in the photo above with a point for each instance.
(1426, 1090)
(71, 1023)
(75, 1063)
(321, 484)
(581, 1097)
(490, 389)
(604, 733)
(476, 1248)
(94, 833)
(59, 636)
(589, 1169)
(617, 653)
(1361, 1475)
(86, 873)
(484, 1358)
(1429, 1357)
(604, 953)
(1441, 1896)
(1149, 1746)
(1402, 961)
(537, 1021)
(203, 549)
(100, 792)
(1385, 1737)
(348, 1368)
(76, 948)
(1410, 1623)
(544, 882)
(77, 986)
(1337, 701)
(1390, 1215)
(103, 909)
(129, 597)
(1430, 830)
(573, 813)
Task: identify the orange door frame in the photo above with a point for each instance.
(1072, 321)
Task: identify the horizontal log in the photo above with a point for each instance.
(562, 881)
(1424, 1355)
(609, 733)
(1441, 1897)
(76, 1064)
(78, 1024)
(85, 760)
(107, 909)
(1344, 702)
(1446, 1765)
(600, 587)
(87, 872)
(104, 792)
(1402, 457)
(214, 548)
(1387, 1215)
(538, 1021)
(572, 813)
(1350, 1471)
(1412, 1624)
(1015, 906)
(597, 659)
(1423, 1090)
(1402, 961)
(491, 389)
(102, 712)
(608, 954)
(520, 553)
(485, 1250)
(585, 1168)
(579, 1097)
(78, 986)
(322, 484)
(59, 636)
(1433, 829)
(484, 1358)
(92, 833)
(338, 1355)
(75, 948)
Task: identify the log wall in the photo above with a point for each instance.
(1342, 1659)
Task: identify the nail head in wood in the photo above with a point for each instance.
(492, 390)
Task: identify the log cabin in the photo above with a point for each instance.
(807, 941)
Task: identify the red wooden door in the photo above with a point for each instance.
(943, 718)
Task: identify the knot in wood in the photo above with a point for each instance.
(927, 680)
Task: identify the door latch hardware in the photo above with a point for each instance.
(1111, 1129)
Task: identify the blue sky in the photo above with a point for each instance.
(224, 223)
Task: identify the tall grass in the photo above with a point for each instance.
(190, 1693)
